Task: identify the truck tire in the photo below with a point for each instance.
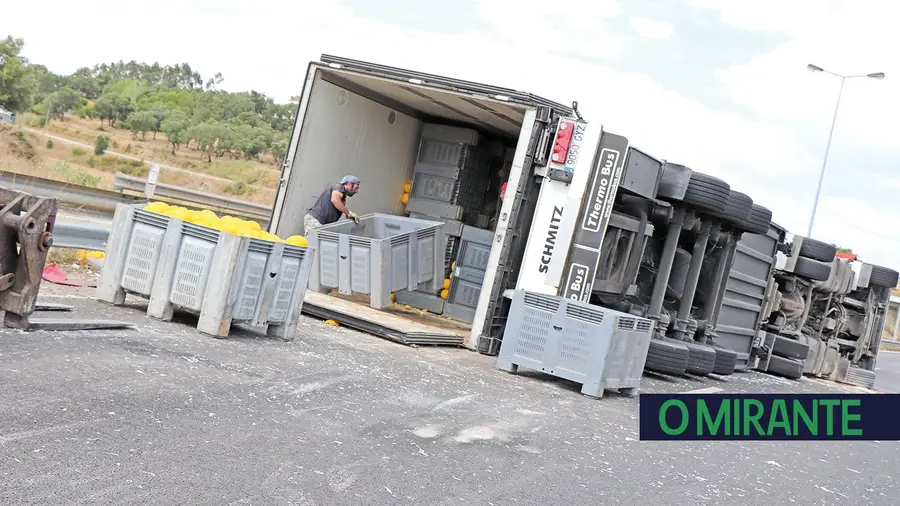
(667, 357)
(702, 359)
(882, 276)
(785, 367)
(860, 377)
(812, 269)
(726, 361)
(790, 348)
(737, 209)
(706, 193)
(759, 221)
(817, 250)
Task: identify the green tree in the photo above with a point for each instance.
(176, 127)
(279, 147)
(206, 135)
(101, 145)
(159, 114)
(253, 140)
(112, 107)
(83, 80)
(17, 82)
(281, 116)
(127, 87)
(142, 122)
(214, 81)
(227, 140)
(60, 102)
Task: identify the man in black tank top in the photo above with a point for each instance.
(331, 204)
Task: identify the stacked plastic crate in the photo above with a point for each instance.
(452, 171)
(468, 274)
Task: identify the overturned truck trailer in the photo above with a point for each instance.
(793, 308)
(655, 270)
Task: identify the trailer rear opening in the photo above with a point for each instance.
(367, 120)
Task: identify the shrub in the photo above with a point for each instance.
(101, 145)
(135, 170)
(236, 188)
(74, 175)
(31, 120)
(49, 143)
(78, 152)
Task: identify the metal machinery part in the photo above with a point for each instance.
(827, 313)
(26, 235)
(671, 270)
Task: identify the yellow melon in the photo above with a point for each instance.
(156, 207)
(297, 240)
(179, 213)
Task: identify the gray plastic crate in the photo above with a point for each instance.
(450, 175)
(453, 228)
(471, 263)
(142, 257)
(600, 348)
(223, 278)
(381, 255)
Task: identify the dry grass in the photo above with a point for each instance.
(251, 181)
(63, 256)
(122, 141)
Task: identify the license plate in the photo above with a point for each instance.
(574, 147)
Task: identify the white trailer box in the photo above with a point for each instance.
(366, 119)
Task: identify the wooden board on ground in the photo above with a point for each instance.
(394, 323)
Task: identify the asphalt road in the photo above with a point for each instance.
(164, 415)
(887, 371)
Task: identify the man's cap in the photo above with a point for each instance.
(350, 179)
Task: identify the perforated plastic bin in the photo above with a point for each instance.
(471, 264)
(450, 174)
(224, 278)
(600, 348)
(133, 252)
(382, 254)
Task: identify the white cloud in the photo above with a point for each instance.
(845, 37)
(651, 28)
(579, 28)
(870, 230)
(773, 155)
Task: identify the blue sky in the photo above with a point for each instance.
(717, 85)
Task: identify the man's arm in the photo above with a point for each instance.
(337, 200)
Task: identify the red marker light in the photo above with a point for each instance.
(561, 144)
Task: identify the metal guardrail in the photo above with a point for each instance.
(89, 236)
(135, 184)
(73, 195)
(104, 201)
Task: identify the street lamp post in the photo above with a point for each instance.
(814, 68)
